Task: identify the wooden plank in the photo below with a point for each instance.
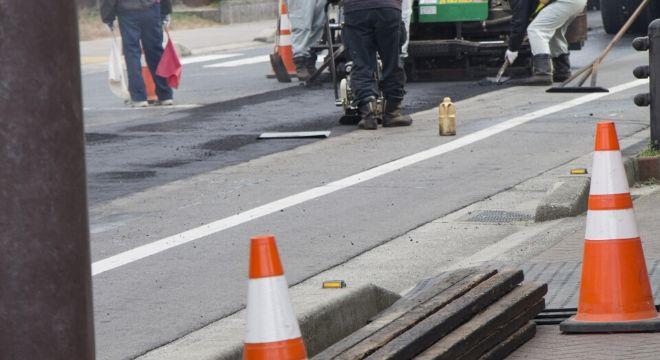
(440, 284)
(488, 322)
(503, 333)
(508, 346)
(436, 326)
(396, 323)
(424, 291)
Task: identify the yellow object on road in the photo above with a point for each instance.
(447, 115)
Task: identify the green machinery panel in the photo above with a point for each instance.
(433, 11)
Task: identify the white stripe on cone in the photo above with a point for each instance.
(285, 22)
(285, 40)
(609, 176)
(611, 225)
(270, 316)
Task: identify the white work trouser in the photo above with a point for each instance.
(406, 14)
(547, 33)
(307, 24)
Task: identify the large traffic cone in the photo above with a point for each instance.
(282, 57)
(272, 328)
(615, 294)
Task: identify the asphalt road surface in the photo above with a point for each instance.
(158, 172)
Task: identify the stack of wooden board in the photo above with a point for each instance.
(461, 315)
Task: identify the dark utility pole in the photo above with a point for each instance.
(45, 275)
(652, 71)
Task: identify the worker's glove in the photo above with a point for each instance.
(111, 25)
(167, 19)
(511, 56)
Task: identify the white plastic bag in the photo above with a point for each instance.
(117, 76)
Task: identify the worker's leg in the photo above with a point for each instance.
(316, 33)
(129, 26)
(559, 49)
(407, 7)
(359, 36)
(388, 42)
(542, 30)
(152, 42)
(553, 17)
(301, 13)
(561, 62)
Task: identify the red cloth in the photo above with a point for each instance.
(170, 66)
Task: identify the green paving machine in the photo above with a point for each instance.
(466, 39)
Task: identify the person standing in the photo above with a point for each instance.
(550, 20)
(371, 29)
(141, 25)
(307, 25)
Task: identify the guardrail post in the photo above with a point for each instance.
(45, 273)
(652, 71)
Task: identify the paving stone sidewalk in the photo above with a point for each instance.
(560, 267)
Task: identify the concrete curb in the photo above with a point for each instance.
(325, 317)
(567, 197)
(570, 195)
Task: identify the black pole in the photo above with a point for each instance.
(654, 64)
(651, 43)
(45, 275)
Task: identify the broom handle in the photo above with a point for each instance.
(610, 46)
(623, 31)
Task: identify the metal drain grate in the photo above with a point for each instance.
(498, 216)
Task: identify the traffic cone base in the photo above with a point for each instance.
(615, 292)
(288, 349)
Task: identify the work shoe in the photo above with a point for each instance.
(301, 68)
(168, 102)
(368, 115)
(562, 68)
(541, 72)
(140, 104)
(310, 64)
(392, 116)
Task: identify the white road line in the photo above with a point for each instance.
(205, 58)
(153, 107)
(241, 62)
(185, 237)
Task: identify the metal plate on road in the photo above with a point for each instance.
(295, 135)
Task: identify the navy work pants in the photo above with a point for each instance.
(367, 33)
(145, 27)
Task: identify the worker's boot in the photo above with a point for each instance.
(392, 114)
(541, 72)
(310, 64)
(301, 68)
(369, 119)
(562, 68)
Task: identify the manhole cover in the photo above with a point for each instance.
(498, 216)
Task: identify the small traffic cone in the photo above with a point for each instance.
(282, 56)
(149, 83)
(615, 293)
(272, 328)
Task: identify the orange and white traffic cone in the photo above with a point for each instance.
(149, 83)
(615, 293)
(282, 57)
(272, 328)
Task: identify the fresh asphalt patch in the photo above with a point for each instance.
(164, 146)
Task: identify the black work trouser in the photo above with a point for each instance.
(367, 33)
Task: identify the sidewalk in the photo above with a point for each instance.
(562, 262)
(198, 41)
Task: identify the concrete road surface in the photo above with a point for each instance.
(196, 171)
